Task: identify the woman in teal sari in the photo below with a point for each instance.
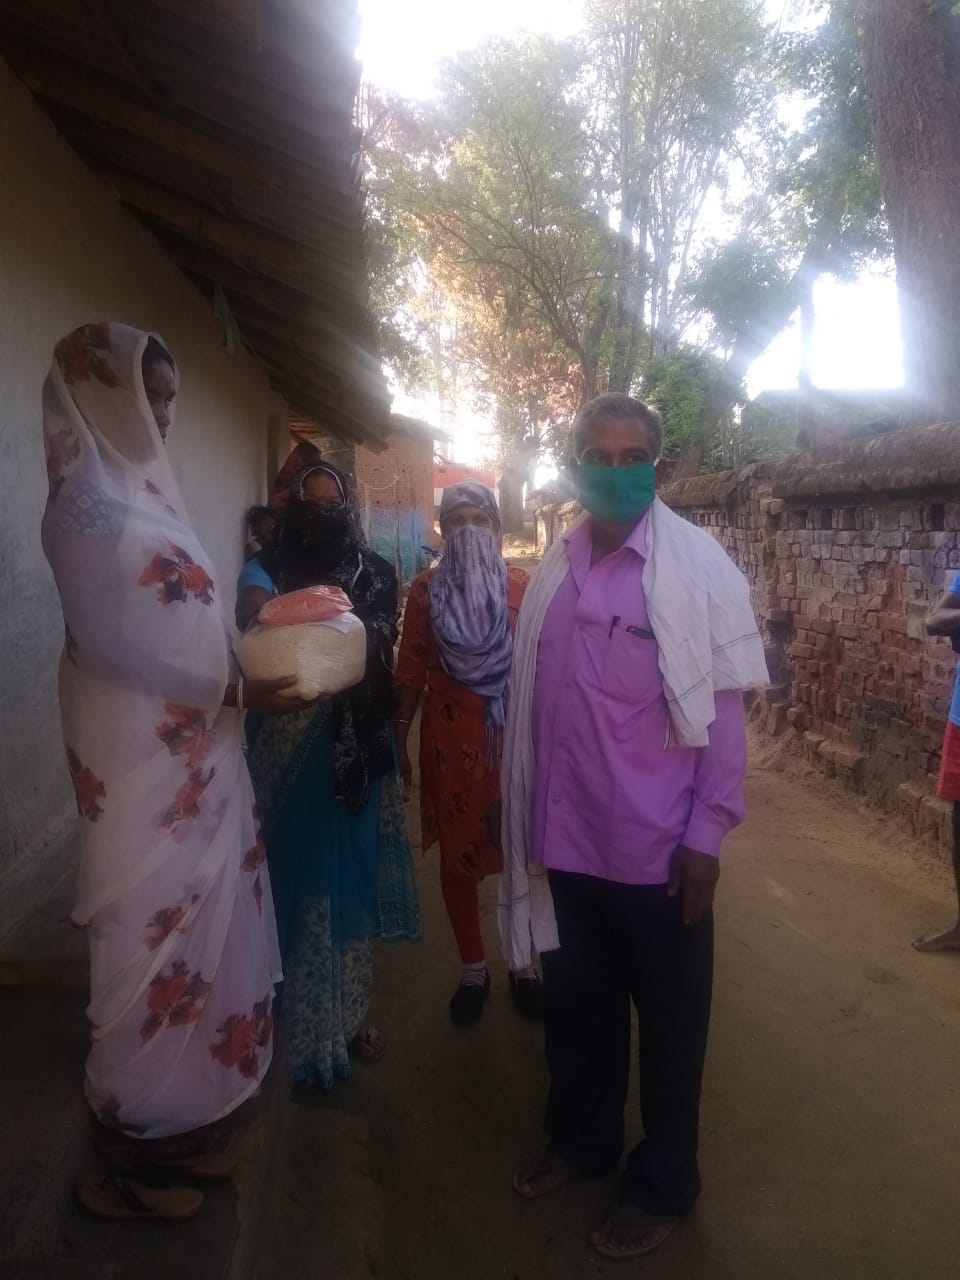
(326, 786)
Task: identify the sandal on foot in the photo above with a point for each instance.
(648, 1230)
(369, 1046)
(120, 1198)
(538, 1177)
(204, 1166)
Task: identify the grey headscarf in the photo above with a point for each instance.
(469, 493)
(468, 608)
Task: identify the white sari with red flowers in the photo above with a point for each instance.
(173, 889)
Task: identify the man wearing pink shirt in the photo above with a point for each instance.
(629, 826)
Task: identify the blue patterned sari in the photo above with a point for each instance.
(340, 880)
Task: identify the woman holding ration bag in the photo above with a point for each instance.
(458, 643)
(325, 781)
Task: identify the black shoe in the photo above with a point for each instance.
(527, 995)
(468, 1001)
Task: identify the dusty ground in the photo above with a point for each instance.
(830, 1138)
(830, 1118)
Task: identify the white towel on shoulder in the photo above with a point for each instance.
(698, 604)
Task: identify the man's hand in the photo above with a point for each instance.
(694, 876)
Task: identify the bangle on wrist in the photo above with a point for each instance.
(400, 720)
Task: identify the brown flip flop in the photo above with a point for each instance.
(118, 1198)
(204, 1166)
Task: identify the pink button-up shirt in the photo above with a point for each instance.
(610, 799)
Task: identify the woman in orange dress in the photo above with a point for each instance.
(458, 644)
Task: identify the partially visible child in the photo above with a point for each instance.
(261, 523)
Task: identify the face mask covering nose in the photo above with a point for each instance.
(617, 493)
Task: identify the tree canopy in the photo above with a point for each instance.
(640, 208)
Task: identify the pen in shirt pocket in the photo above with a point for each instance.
(641, 632)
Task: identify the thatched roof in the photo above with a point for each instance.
(710, 489)
(915, 458)
(227, 127)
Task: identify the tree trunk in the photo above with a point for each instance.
(912, 67)
(630, 254)
(588, 381)
(511, 498)
(805, 412)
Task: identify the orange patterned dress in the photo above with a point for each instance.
(458, 787)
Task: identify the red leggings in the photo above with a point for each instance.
(462, 899)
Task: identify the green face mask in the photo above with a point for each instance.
(616, 493)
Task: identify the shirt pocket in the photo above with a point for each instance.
(632, 664)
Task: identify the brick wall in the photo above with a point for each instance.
(552, 520)
(846, 551)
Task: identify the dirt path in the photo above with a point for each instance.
(830, 1120)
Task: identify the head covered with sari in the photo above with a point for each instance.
(468, 605)
(115, 528)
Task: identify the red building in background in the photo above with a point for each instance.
(446, 474)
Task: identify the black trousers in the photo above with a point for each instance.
(621, 943)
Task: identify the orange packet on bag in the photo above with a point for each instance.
(311, 604)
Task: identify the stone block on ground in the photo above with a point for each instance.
(797, 716)
(777, 718)
(850, 762)
(812, 743)
(910, 796)
(935, 818)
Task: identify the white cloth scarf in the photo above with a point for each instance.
(698, 604)
(173, 889)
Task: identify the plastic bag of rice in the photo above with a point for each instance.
(309, 604)
(326, 657)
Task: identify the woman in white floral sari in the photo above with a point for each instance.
(173, 890)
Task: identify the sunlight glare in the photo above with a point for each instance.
(402, 43)
(856, 340)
